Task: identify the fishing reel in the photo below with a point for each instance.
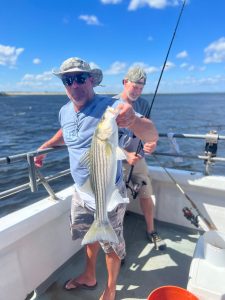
(210, 148)
(190, 216)
(211, 143)
(136, 188)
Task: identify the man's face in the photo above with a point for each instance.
(133, 90)
(79, 87)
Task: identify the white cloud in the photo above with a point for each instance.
(9, 55)
(217, 79)
(151, 70)
(158, 4)
(184, 65)
(116, 68)
(169, 65)
(215, 52)
(36, 61)
(148, 69)
(90, 19)
(182, 54)
(191, 68)
(202, 68)
(36, 78)
(111, 1)
(39, 82)
(94, 65)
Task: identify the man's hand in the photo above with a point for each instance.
(126, 116)
(149, 147)
(56, 140)
(38, 160)
(132, 158)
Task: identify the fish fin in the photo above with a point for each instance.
(85, 159)
(120, 154)
(115, 200)
(100, 231)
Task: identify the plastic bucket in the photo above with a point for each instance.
(170, 292)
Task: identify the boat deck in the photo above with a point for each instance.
(145, 267)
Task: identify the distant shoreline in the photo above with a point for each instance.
(30, 93)
(63, 93)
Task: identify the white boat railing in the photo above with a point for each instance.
(36, 178)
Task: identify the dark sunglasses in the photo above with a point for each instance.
(80, 78)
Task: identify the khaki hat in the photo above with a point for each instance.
(76, 65)
(136, 74)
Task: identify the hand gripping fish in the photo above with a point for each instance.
(101, 160)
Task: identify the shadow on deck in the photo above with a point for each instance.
(145, 268)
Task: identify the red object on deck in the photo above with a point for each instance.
(170, 292)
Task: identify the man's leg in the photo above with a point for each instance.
(114, 252)
(140, 176)
(147, 209)
(113, 268)
(88, 277)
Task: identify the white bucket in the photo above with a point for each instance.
(214, 248)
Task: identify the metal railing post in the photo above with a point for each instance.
(32, 174)
(47, 186)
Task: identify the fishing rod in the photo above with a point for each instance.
(157, 86)
(187, 212)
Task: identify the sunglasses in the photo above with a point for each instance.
(80, 78)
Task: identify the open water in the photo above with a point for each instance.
(27, 121)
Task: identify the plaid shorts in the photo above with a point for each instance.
(82, 218)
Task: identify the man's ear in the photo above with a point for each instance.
(92, 80)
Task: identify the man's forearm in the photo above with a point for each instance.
(56, 140)
(144, 129)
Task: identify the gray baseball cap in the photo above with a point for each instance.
(136, 74)
(76, 65)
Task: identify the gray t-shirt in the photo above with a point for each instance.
(141, 106)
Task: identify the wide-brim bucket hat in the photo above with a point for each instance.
(76, 65)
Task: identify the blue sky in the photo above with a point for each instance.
(37, 35)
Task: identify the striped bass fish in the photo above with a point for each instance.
(101, 160)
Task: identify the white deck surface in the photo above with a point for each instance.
(145, 268)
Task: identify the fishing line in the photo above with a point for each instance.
(157, 86)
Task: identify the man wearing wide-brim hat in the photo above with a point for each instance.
(77, 65)
(79, 119)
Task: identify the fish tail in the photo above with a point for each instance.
(100, 231)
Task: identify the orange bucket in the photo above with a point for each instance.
(170, 292)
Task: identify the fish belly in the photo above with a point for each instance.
(102, 178)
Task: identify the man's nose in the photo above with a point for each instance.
(75, 84)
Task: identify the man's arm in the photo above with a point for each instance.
(56, 140)
(143, 128)
(149, 147)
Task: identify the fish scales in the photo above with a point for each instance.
(103, 167)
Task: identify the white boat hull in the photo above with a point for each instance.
(35, 241)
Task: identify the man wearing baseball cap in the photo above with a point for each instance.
(133, 85)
